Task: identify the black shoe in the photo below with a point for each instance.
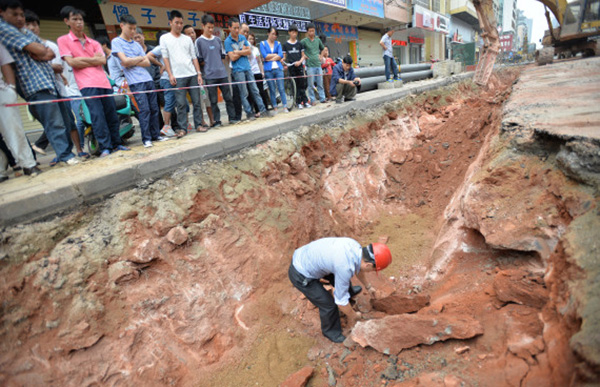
(216, 124)
(3, 178)
(349, 99)
(338, 339)
(338, 100)
(32, 171)
(354, 290)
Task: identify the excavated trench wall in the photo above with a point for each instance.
(151, 284)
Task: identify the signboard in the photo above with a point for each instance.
(339, 3)
(146, 16)
(412, 39)
(506, 42)
(283, 9)
(429, 20)
(399, 43)
(337, 32)
(353, 46)
(264, 21)
(366, 7)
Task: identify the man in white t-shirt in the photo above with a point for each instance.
(11, 126)
(388, 56)
(179, 55)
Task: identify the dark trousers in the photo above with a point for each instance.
(300, 83)
(51, 118)
(148, 110)
(213, 96)
(263, 93)
(182, 105)
(331, 325)
(237, 101)
(103, 113)
(67, 115)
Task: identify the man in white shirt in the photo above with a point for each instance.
(336, 260)
(11, 126)
(388, 56)
(179, 55)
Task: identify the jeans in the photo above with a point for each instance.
(258, 77)
(213, 96)
(180, 97)
(314, 75)
(103, 113)
(390, 63)
(247, 76)
(237, 100)
(50, 117)
(11, 128)
(76, 107)
(148, 110)
(276, 74)
(300, 83)
(169, 96)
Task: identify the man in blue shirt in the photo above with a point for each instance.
(35, 76)
(344, 84)
(133, 60)
(337, 260)
(238, 49)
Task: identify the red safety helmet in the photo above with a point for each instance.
(383, 256)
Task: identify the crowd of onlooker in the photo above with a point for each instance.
(181, 66)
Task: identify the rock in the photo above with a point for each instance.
(349, 343)
(146, 251)
(399, 304)
(452, 381)
(461, 350)
(390, 372)
(177, 235)
(520, 287)
(121, 272)
(299, 378)
(398, 157)
(392, 334)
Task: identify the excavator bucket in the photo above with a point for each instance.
(485, 67)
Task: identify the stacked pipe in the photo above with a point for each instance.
(371, 76)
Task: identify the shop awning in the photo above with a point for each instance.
(226, 7)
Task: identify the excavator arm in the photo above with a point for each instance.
(491, 41)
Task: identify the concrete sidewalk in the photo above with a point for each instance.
(26, 199)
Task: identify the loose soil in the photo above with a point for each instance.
(183, 281)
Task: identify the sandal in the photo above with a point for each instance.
(180, 133)
(202, 129)
(54, 161)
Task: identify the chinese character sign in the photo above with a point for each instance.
(339, 3)
(336, 31)
(146, 16)
(284, 9)
(265, 21)
(429, 20)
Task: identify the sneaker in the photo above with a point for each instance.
(83, 155)
(74, 161)
(161, 139)
(399, 80)
(121, 148)
(147, 144)
(349, 99)
(104, 153)
(300, 106)
(286, 110)
(32, 171)
(390, 80)
(274, 112)
(307, 105)
(167, 131)
(37, 149)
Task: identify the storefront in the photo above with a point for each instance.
(338, 38)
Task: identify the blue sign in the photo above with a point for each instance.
(367, 7)
(264, 21)
(339, 3)
(337, 32)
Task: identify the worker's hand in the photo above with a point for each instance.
(357, 79)
(172, 80)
